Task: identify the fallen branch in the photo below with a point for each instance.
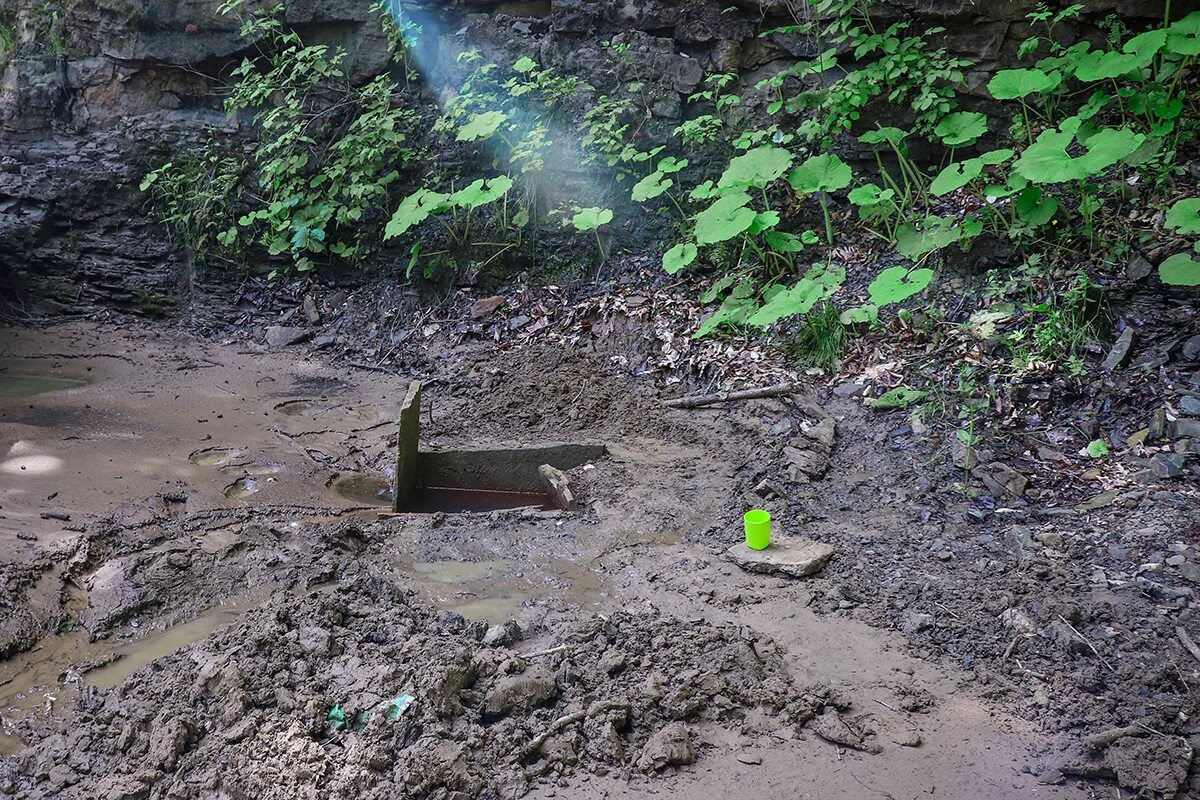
(1086, 641)
(701, 400)
(1188, 642)
(541, 738)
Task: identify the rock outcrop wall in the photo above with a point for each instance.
(92, 92)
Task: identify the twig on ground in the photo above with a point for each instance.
(1188, 643)
(1086, 641)
(698, 401)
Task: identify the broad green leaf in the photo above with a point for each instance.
(724, 219)
(734, 310)
(1101, 65)
(782, 242)
(756, 168)
(1180, 270)
(1014, 84)
(481, 192)
(1097, 448)
(961, 127)
(820, 282)
(870, 195)
(763, 221)
(1184, 216)
(589, 219)
(865, 314)
(1183, 38)
(1034, 207)
(705, 191)
(956, 176)
(821, 173)
(650, 187)
(915, 240)
(1047, 159)
(900, 397)
(718, 286)
(482, 126)
(678, 257)
(898, 283)
(524, 65)
(885, 135)
(1148, 43)
(670, 165)
(413, 210)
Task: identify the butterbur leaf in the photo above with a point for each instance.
(481, 192)
(961, 128)
(782, 242)
(885, 135)
(1014, 84)
(724, 219)
(1101, 65)
(733, 311)
(870, 195)
(678, 257)
(1034, 207)
(862, 315)
(717, 288)
(821, 173)
(1184, 216)
(756, 168)
(671, 165)
(650, 187)
(898, 283)
(763, 221)
(1148, 43)
(1183, 38)
(1180, 270)
(956, 176)
(820, 282)
(900, 397)
(1097, 448)
(413, 210)
(705, 191)
(482, 126)
(916, 240)
(589, 219)
(1047, 159)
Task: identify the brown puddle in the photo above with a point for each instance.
(431, 500)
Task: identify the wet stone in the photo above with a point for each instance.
(284, 335)
(1190, 405)
(797, 558)
(1120, 351)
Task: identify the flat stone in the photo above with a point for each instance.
(1001, 479)
(849, 389)
(1186, 428)
(1138, 268)
(283, 335)
(798, 558)
(1120, 351)
(1169, 465)
(1189, 405)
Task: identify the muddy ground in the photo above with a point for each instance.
(191, 609)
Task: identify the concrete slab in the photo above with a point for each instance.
(408, 439)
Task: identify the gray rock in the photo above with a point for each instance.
(1191, 348)
(1169, 465)
(503, 634)
(805, 465)
(557, 486)
(670, 747)
(1120, 351)
(915, 623)
(798, 558)
(284, 335)
(1185, 428)
(849, 389)
(1138, 268)
(1190, 405)
(1001, 479)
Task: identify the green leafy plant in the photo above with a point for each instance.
(818, 176)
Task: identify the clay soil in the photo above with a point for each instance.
(189, 608)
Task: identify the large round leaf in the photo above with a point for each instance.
(961, 128)
(1183, 38)
(1013, 84)
(757, 167)
(1184, 216)
(650, 187)
(588, 219)
(898, 283)
(819, 283)
(1047, 159)
(482, 126)
(821, 173)
(679, 257)
(1180, 270)
(724, 219)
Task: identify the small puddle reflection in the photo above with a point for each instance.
(214, 456)
(243, 487)
(12, 385)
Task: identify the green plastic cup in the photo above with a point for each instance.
(758, 529)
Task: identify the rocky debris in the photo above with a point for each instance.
(1169, 465)
(503, 634)
(311, 313)
(1120, 351)
(1191, 349)
(622, 692)
(1190, 405)
(486, 306)
(1002, 480)
(853, 733)
(797, 558)
(670, 747)
(283, 335)
(804, 466)
(1139, 760)
(1138, 268)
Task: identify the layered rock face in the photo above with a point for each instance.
(94, 93)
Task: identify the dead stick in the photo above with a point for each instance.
(700, 400)
(1188, 643)
(1091, 646)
